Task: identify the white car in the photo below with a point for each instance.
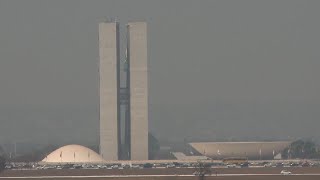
(197, 173)
(285, 172)
(231, 166)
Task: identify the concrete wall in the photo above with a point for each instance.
(109, 91)
(138, 64)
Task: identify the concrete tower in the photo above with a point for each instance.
(109, 70)
(138, 88)
(134, 97)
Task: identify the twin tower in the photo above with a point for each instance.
(123, 100)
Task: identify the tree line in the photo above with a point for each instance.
(302, 149)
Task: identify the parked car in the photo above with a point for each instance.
(285, 172)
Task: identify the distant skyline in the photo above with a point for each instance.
(218, 69)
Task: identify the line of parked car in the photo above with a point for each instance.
(159, 165)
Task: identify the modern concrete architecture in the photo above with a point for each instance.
(109, 50)
(138, 83)
(181, 156)
(250, 150)
(133, 97)
(73, 154)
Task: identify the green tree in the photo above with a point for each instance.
(154, 146)
(2, 163)
(202, 169)
(301, 149)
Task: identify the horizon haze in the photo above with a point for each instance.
(218, 70)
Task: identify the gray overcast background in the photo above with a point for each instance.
(242, 69)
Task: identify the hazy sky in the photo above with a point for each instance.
(218, 69)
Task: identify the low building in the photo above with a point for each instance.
(250, 150)
(181, 156)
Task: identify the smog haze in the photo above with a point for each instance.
(218, 70)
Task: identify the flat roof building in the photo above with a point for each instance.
(138, 79)
(109, 51)
(134, 96)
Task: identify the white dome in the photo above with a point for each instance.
(73, 154)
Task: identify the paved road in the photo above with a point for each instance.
(141, 176)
